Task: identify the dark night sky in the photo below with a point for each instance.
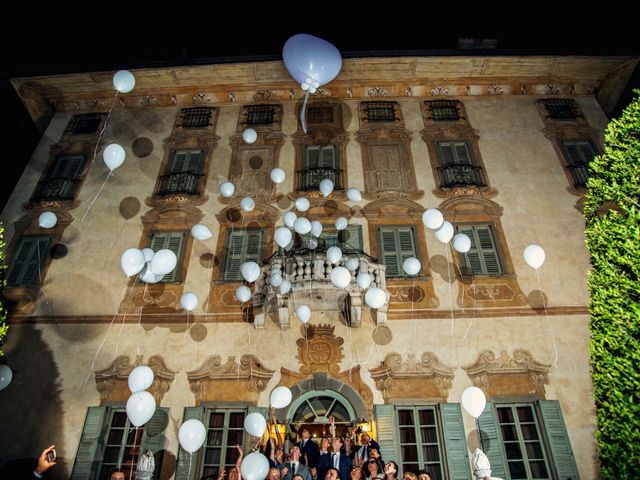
(121, 39)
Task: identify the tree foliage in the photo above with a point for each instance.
(612, 214)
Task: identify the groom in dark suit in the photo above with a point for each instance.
(336, 459)
(294, 466)
(308, 449)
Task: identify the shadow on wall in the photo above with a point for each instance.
(31, 406)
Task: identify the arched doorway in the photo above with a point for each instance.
(312, 410)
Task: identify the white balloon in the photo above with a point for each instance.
(243, 293)
(140, 408)
(250, 271)
(255, 424)
(113, 156)
(354, 194)
(192, 435)
(302, 225)
(341, 223)
(411, 266)
(289, 219)
(148, 254)
(474, 401)
(249, 135)
(352, 264)
(326, 187)
(47, 220)
(280, 397)
(254, 466)
(432, 218)
(312, 243)
(201, 232)
(147, 276)
(334, 254)
(302, 204)
(132, 261)
(163, 262)
(282, 236)
(247, 204)
(304, 313)
(124, 81)
(285, 287)
(375, 297)
(445, 232)
(276, 280)
(140, 378)
(227, 189)
(340, 277)
(277, 175)
(189, 301)
(364, 280)
(534, 256)
(6, 375)
(316, 228)
(461, 243)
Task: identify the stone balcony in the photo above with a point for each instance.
(309, 272)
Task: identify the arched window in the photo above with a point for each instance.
(313, 409)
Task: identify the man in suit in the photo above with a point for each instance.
(294, 466)
(367, 444)
(308, 449)
(336, 459)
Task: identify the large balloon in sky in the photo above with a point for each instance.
(309, 57)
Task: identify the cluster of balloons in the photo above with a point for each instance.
(444, 231)
(150, 266)
(47, 219)
(141, 405)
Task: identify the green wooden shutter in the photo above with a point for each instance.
(28, 262)
(387, 431)
(67, 166)
(253, 249)
(578, 152)
(351, 239)
(235, 248)
(447, 157)
(586, 149)
(472, 257)
(179, 161)
(558, 440)
(172, 241)
(492, 439)
(91, 441)
(407, 246)
(455, 442)
(153, 438)
(488, 250)
(184, 458)
(388, 250)
(328, 157)
(463, 156)
(194, 161)
(312, 157)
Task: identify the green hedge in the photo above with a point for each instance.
(612, 214)
(3, 282)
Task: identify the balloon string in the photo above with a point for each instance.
(303, 120)
(446, 249)
(190, 457)
(104, 127)
(186, 329)
(135, 439)
(97, 195)
(546, 314)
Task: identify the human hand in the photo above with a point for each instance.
(283, 472)
(43, 462)
(221, 473)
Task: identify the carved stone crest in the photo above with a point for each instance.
(320, 351)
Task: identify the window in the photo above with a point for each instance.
(62, 179)
(109, 441)
(225, 430)
(349, 240)
(199, 117)
(28, 261)
(257, 115)
(522, 441)
(320, 114)
(380, 111)
(420, 440)
(395, 245)
(173, 241)
(483, 257)
(558, 109)
(442, 110)
(184, 174)
(457, 167)
(244, 245)
(318, 163)
(84, 123)
(578, 154)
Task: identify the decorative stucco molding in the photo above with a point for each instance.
(320, 351)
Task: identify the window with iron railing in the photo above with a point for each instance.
(443, 110)
(320, 114)
(184, 174)
(84, 123)
(192, 118)
(561, 109)
(62, 179)
(578, 154)
(380, 111)
(318, 163)
(256, 115)
(457, 167)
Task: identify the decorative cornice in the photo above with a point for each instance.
(428, 368)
